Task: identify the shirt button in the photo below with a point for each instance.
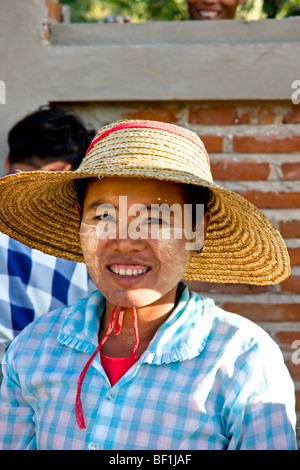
(109, 396)
(93, 446)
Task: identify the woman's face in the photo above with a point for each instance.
(213, 9)
(130, 253)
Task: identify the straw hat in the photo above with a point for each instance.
(241, 245)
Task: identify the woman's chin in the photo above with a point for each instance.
(137, 298)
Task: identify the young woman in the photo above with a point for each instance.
(143, 363)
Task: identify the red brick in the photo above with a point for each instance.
(294, 256)
(297, 395)
(154, 112)
(285, 339)
(213, 143)
(266, 144)
(225, 288)
(265, 116)
(54, 10)
(272, 200)
(290, 229)
(256, 114)
(240, 171)
(222, 115)
(292, 116)
(291, 171)
(264, 312)
(247, 117)
(294, 370)
(213, 116)
(292, 284)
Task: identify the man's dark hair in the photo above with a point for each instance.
(47, 135)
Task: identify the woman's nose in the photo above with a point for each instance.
(127, 244)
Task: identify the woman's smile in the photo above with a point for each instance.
(128, 274)
(128, 270)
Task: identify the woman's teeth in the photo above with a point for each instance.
(128, 271)
(208, 13)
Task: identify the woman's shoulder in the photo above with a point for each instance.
(231, 327)
(44, 329)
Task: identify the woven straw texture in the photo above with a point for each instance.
(241, 245)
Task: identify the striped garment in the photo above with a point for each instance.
(33, 283)
(208, 380)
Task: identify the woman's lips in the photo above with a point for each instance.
(128, 270)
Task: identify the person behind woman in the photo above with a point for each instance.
(213, 9)
(32, 283)
(143, 362)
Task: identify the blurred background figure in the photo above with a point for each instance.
(116, 19)
(31, 282)
(48, 139)
(213, 9)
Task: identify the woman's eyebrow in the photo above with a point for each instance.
(94, 205)
(161, 207)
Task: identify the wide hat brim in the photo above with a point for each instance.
(241, 245)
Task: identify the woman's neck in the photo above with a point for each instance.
(149, 319)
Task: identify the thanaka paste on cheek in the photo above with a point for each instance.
(173, 252)
(89, 245)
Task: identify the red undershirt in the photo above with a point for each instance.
(116, 367)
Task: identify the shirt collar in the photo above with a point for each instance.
(182, 336)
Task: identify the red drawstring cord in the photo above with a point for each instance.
(119, 321)
(78, 403)
(136, 332)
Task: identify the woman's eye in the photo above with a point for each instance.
(155, 221)
(105, 218)
(159, 222)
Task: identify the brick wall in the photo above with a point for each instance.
(255, 150)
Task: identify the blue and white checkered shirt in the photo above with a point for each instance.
(33, 283)
(208, 380)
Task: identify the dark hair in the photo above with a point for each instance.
(197, 195)
(81, 187)
(48, 135)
